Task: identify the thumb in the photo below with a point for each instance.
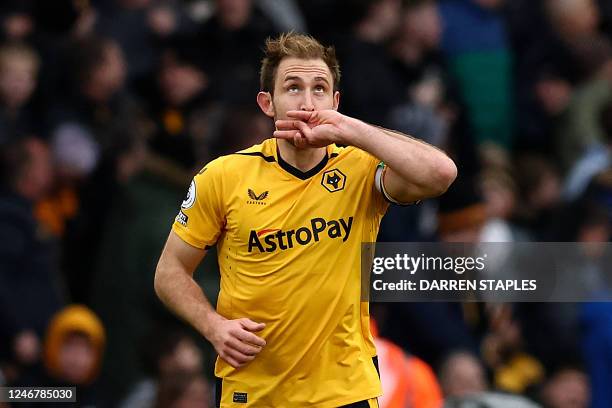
(300, 141)
(252, 326)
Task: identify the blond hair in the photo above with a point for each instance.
(297, 46)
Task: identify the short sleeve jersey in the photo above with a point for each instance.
(289, 252)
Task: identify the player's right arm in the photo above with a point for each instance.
(196, 228)
(234, 340)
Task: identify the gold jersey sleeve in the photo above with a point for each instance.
(289, 252)
(201, 218)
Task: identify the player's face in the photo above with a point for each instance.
(302, 85)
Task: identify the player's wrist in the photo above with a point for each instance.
(211, 321)
(351, 132)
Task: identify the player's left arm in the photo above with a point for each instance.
(415, 169)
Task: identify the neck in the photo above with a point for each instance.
(301, 159)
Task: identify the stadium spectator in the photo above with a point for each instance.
(16, 21)
(475, 43)
(30, 286)
(461, 217)
(231, 134)
(179, 106)
(420, 74)
(584, 222)
(285, 14)
(72, 354)
(139, 27)
(95, 105)
(503, 349)
(167, 352)
(233, 68)
(539, 184)
(491, 399)
(364, 55)
(462, 374)
(184, 390)
(580, 127)
(19, 66)
(567, 387)
(593, 162)
(407, 380)
(97, 140)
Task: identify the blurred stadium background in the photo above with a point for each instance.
(108, 107)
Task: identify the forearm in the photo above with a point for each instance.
(427, 169)
(183, 296)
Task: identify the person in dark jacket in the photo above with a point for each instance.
(29, 285)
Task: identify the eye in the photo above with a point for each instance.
(293, 88)
(319, 88)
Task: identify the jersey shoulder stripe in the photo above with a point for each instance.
(269, 159)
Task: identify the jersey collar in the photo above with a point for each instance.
(302, 175)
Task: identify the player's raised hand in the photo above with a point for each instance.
(235, 341)
(311, 128)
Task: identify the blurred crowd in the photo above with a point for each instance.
(108, 108)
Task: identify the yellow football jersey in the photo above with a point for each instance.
(289, 247)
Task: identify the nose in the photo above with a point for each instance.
(307, 104)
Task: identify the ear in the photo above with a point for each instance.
(336, 100)
(264, 100)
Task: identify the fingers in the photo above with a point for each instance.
(286, 134)
(238, 353)
(295, 130)
(299, 141)
(282, 124)
(295, 136)
(229, 360)
(292, 125)
(301, 115)
(237, 345)
(239, 357)
(244, 348)
(235, 358)
(250, 338)
(303, 128)
(252, 326)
